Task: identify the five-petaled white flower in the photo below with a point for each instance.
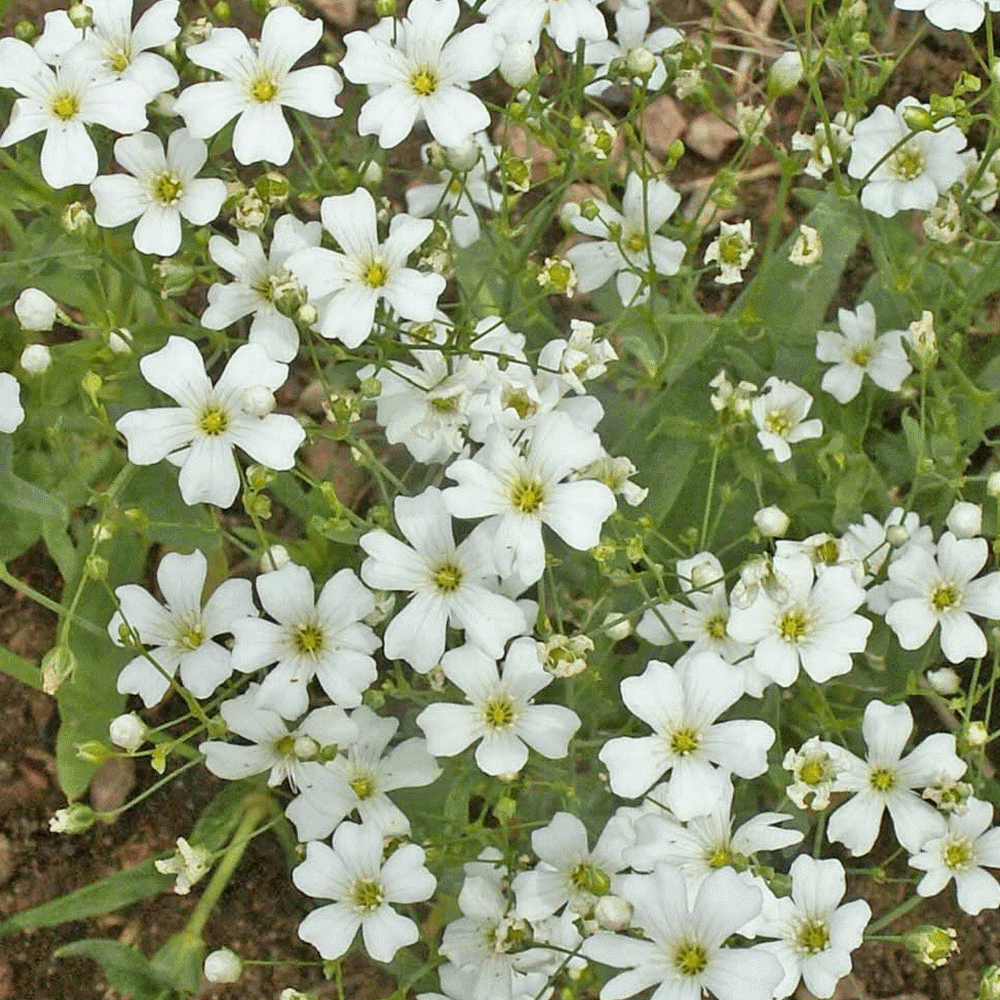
(779, 413)
(886, 780)
(628, 246)
(200, 433)
(310, 637)
(501, 715)
(61, 102)
(361, 885)
(257, 83)
(904, 169)
(952, 15)
(11, 411)
(857, 351)
(732, 249)
(415, 72)
(349, 285)
(158, 189)
(181, 633)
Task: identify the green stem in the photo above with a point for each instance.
(46, 602)
(911, 902)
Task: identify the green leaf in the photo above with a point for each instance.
(104, 896)
(126, 969)
(19, 668)
(180, 961)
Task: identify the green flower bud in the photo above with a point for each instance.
(931, 945)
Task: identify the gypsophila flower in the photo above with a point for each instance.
(949, 15)
(779, 413)
(944, 221)
(857, 351)
(751, 123)
(921, 336)
(807, 248)
(322, 637)
(826, 145)
(963, 851)
(566, 21)
(190, 864)
(814, 769)
(158, 189)
(182, 633)
(633, 37)
(257, 83)
(732, 249)
(200, 433)
(353, 874)
(598, 139)
(906, 176)
(415, 72)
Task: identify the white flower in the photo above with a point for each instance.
(11, 411)
(962, 852)
(928, 590)
(415, 72)
(732, 249)
(353, 875)
(286, 754)
(681, 706)
(566, 21)
(579, 359)
(568, 871)
(628, 246)
(684, 951)
(944, 221)
(823, 147)
(119, 51)
(886, 779)
(501, 715)
(200, 434)
(779, 413)
(257, 83)
(816, 934)
(912, 175)
(36, 359)
(631, 27)
(158, 189)
(259, 278)
(857, 351)
(814, 624)
(127, 731)
(807, 248)
(965, 519)
(189, 864)
(949, 15)
(521, 493)
(181, 632)
(348, 286)
(450, 585)
(814, 769)
(61, 103)
(35, 310)
(359, 778)
(751, 123)
(320, 637)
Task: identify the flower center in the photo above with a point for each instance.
(731, 249)
(375, 274)
(684, 741)
(861, 356)
(367, 894)
(527, 496)
(65, 105)
(814, 771)
(447, 577)
(828, 552)
(443, 404)
(167, 188)
(423, 81)
(813, 936)
(587, 878)
(720, 857)
(778, 422)
(716, 626)
(118, 58)
(285, 746)
(956, 853)
(264, 89)
(793, 625)
(690, 958)
(882, 779)
(308, 639)
(945, 596)
(636, 243)
(363, 786)
(214, 421)
(498, 713)
(191, 636)
(908, 162)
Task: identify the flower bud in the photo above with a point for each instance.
(989, 985)
(944, 680)
(772, 522)
(258, 401)
(613, 913)
(616, 627)
(640, 61)
(92, 752)
(385, 8)
(120, 341)
(75, 218)
(25, 31)
(75, 818)
(223, 966)
(36, 358)
(80, 15)
(993, 485)
(127, 731)
(977, 735)
(57, 664)
(517, 64)
(307, 315)
(372, 176)
(274, 557)
(930, 945)
(896, 535)
(965, 520)
(785, 74)
(464, 157)
(35, 310)
(918, 118)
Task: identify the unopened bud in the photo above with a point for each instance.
(75, 818)
(258, 401)
(464, 157)
(80, 15)
(274, 557)
(120, 341)
(785, 74)
(127, 731)
(385, 8)
(35, 310)
(640, 61)
(772, 522)
(517, 63)
(944, 680)
(223, 966)
(965, 520)
(57, 664)
(918, 118)
(613, 913)
(977, 735)
(25, 31)
(36, 358)
(616, 627)
(92, 752)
